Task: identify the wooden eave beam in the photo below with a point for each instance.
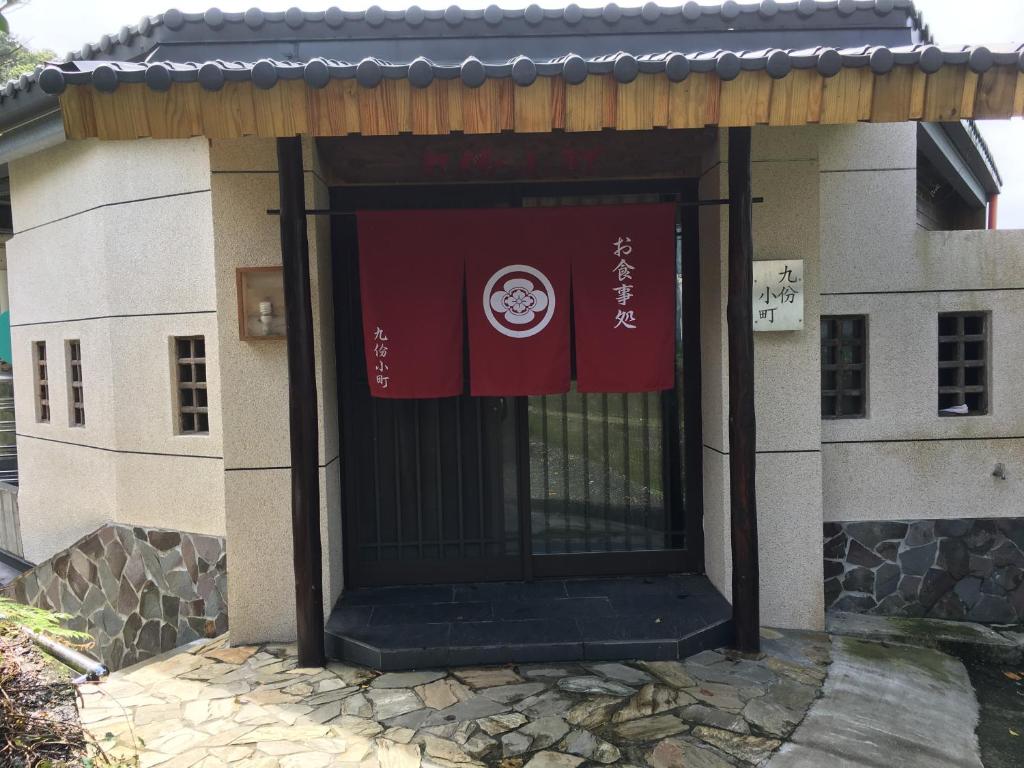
(394, 107)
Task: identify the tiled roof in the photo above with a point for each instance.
(376, 22)
(156, 37)
(624, 67)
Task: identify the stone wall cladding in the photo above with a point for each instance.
(959, 569)
(137, 591)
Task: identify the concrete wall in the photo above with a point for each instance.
(125, 266)
(254, 384)
(904, 462)
(843, 199)
(786, 226)
(113, 246)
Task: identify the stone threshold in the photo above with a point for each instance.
(646, 618)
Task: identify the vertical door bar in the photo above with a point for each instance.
(544, 457)
(585, 430)
(303, 426)
(419, 479)
(606, 445)
(375, 416)
(396, 451)
(690, 493)
(440, 481)
(461, 477)
(522, 429)
(566, 494)
(646, 454)
(481, 487)
(627, 486)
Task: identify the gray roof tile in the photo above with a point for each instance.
(476, 44)
(376, 22)
(215, 27)
(623, 66)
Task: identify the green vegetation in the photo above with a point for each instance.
(623, 432)
(39, 722)
(16, 58)
(927, 661)
(14, 615)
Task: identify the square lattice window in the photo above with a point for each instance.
(42, 382)
(844, 366)
(190, 365)
(963, 363)
(76, 394)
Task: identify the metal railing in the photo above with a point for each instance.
(10, 527)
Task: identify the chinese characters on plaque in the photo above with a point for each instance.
(380, 352)
(779, 295)
(624, 318)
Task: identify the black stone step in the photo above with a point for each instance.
(646, 618)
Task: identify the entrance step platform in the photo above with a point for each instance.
(646, 618)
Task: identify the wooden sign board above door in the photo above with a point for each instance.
(514, 157)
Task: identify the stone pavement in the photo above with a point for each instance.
(958, 638)
(888, 705)
(210, 705)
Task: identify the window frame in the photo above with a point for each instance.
(961, 363)
(41, 374)
(839, 392)
(183, 412)
(76, 407)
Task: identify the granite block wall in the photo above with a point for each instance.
(137, 591)
(959, 569)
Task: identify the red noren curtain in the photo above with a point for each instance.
(523, 270)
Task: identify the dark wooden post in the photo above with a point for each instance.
(742, 434)
(302, 417)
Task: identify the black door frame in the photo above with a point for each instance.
(461, 195)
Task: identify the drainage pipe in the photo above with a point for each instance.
(993, 210)
(90, 669)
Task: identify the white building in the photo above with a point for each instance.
(153, 421)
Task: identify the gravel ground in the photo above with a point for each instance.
(38, 718)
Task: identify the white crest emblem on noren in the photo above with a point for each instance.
(518, 301)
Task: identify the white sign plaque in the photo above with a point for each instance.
(779, 295)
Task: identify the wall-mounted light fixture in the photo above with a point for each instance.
(267, 316)
(260, 303)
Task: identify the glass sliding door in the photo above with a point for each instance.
(467, 489)
(605, 469)
(431, 485)
(597, 474)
